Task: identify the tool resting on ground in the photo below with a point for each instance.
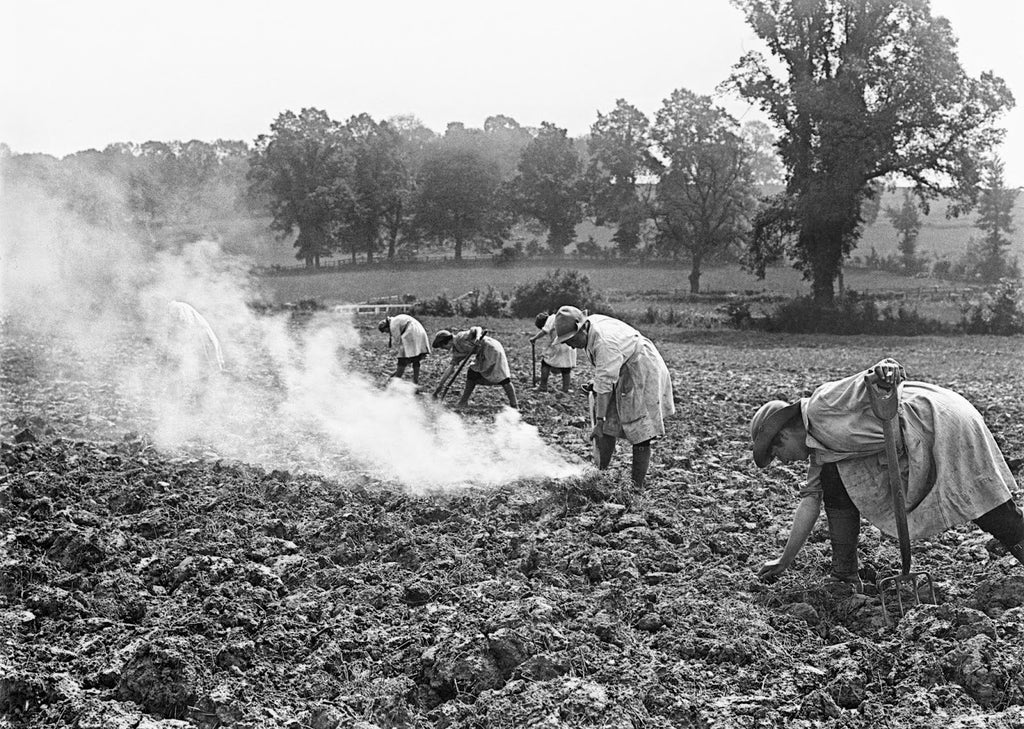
(883, 390)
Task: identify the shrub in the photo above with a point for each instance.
(737, 313)
(999, 312)
(441, 306)
(489, 303)
(852, 313)
(557, 289)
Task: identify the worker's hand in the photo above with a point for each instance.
(587, 387)
(889, 374)
(771, 570)
(597, 431)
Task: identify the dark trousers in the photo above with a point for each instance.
(1005, 522)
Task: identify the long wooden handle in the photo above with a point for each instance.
(885, 406)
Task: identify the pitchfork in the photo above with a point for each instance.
(885, 405)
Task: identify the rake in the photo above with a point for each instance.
(885, 405)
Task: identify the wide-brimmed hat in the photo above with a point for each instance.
(765, 425)
(384, 324)
(441, 339)
(568, 320)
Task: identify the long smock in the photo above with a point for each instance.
(410, 335)
(490, 360)
(555, 354)
(192, 341)
(628, 365)
(952, 469)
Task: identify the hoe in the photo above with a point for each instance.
(885, 405)
(446, 385)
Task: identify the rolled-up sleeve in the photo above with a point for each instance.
(812, 486)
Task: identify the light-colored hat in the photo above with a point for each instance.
(384, 324)
(766, 423)
(568, 320)
(442, 339)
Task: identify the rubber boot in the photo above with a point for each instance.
(1017, 550)
(510, 390)
(605, 449)
(844, 533)
(566, 377)
(641, 462)
(416, 372)
(545, 373)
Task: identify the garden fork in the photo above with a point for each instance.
(885, 406)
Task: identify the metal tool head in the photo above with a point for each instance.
(899, 592)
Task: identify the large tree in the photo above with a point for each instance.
(458, 194)
(620, 159)
(414, 141)
(995, 220)
(861, 90)
(549, 187)
(377, 178)
(302, 168)
(906, 219)
(706, 195)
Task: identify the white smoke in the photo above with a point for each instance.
(289, 398)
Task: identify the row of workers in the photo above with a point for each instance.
(953, 468)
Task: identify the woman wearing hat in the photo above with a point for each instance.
(413, 344)
(952, 466)
(489, 366)
(632, 386)
(556, 357)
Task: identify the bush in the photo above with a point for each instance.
(852, 313)
(441, 306)
(1000, 312)
(489, 303)
(557, 289)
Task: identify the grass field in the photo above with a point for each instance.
(625, 289)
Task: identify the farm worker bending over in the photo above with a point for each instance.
(489, 367)
(632, 386)
(413, 344)
(555, 357)
(953, 468)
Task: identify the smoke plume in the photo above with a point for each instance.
(100, 300)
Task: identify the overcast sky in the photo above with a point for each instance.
(76, 74)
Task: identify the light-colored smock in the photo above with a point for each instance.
(490, 361)
(410, 335)
(628, 365)
(555, 354)
(953, 471)
(191, 340)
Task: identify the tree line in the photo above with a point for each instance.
(861, 94)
